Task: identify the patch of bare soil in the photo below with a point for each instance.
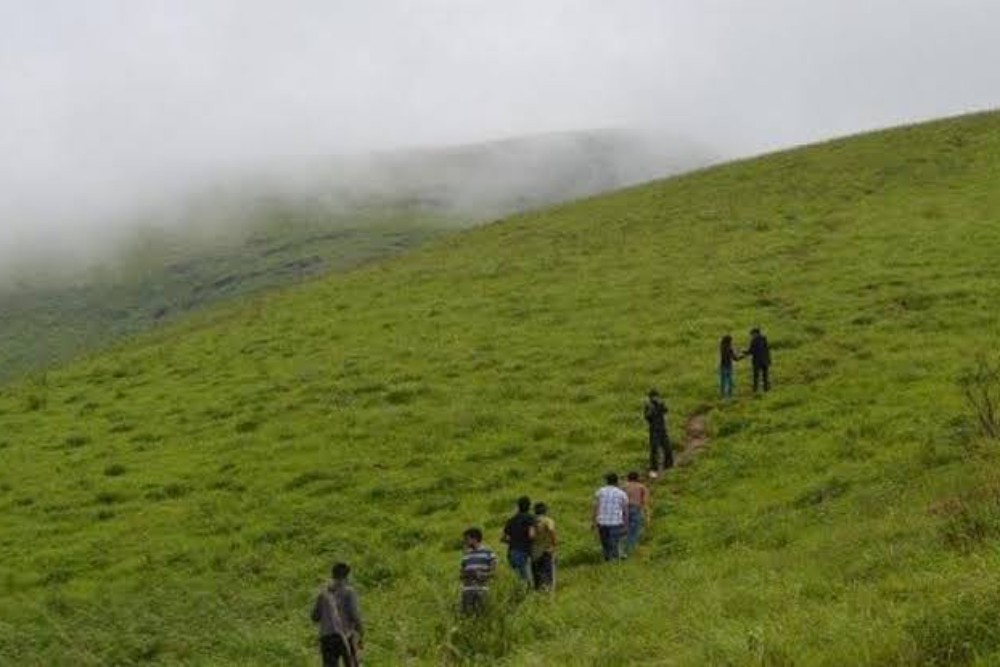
(695, 438)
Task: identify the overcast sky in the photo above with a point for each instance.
(103, 102)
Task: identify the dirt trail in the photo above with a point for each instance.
(695, 440)
(695, 437)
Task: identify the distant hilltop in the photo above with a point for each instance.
(512, 175)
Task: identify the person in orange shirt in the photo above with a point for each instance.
(638, 510)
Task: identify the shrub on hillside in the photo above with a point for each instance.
(980, 386)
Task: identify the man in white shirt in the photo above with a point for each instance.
(611, 516)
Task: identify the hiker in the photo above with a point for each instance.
(610, 516)
(727, 355)
(659, 442)
(339, 618)
(760, 355)
(638, 511)
(543, 550)
(479, 564)
(518, 533)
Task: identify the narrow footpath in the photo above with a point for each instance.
(695, 437)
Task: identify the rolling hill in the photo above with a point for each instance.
(178, 499)
(298, 220)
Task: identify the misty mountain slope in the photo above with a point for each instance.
(249, 235)
(166, 275)
(178, 499)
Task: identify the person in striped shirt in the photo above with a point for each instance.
(479, 564)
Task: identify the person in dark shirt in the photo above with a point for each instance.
(727, 355)
(339, 617)
(518, 534)
(760, 355)
(655, 413)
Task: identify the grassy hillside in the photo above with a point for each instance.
(177, 500)
(163, 276)
(246, 236)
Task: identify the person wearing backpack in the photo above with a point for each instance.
(339, 617)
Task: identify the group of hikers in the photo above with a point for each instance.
(619, 516)
(531, 542)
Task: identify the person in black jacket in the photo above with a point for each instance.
(655, 413)
(760, 356)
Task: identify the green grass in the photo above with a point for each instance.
(178, 499)
(162, 276)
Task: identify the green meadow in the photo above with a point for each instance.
(179, 499)
(163, 275)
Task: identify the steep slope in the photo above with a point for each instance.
(177, 499)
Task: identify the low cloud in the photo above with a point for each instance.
(109, 107)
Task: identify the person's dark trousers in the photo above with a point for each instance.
(520, 562)
(335, 653)
(542, 571)
(473, 601)
(760, 376)
(611, 537)
(658, 442)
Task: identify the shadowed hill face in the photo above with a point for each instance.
(179, 498)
